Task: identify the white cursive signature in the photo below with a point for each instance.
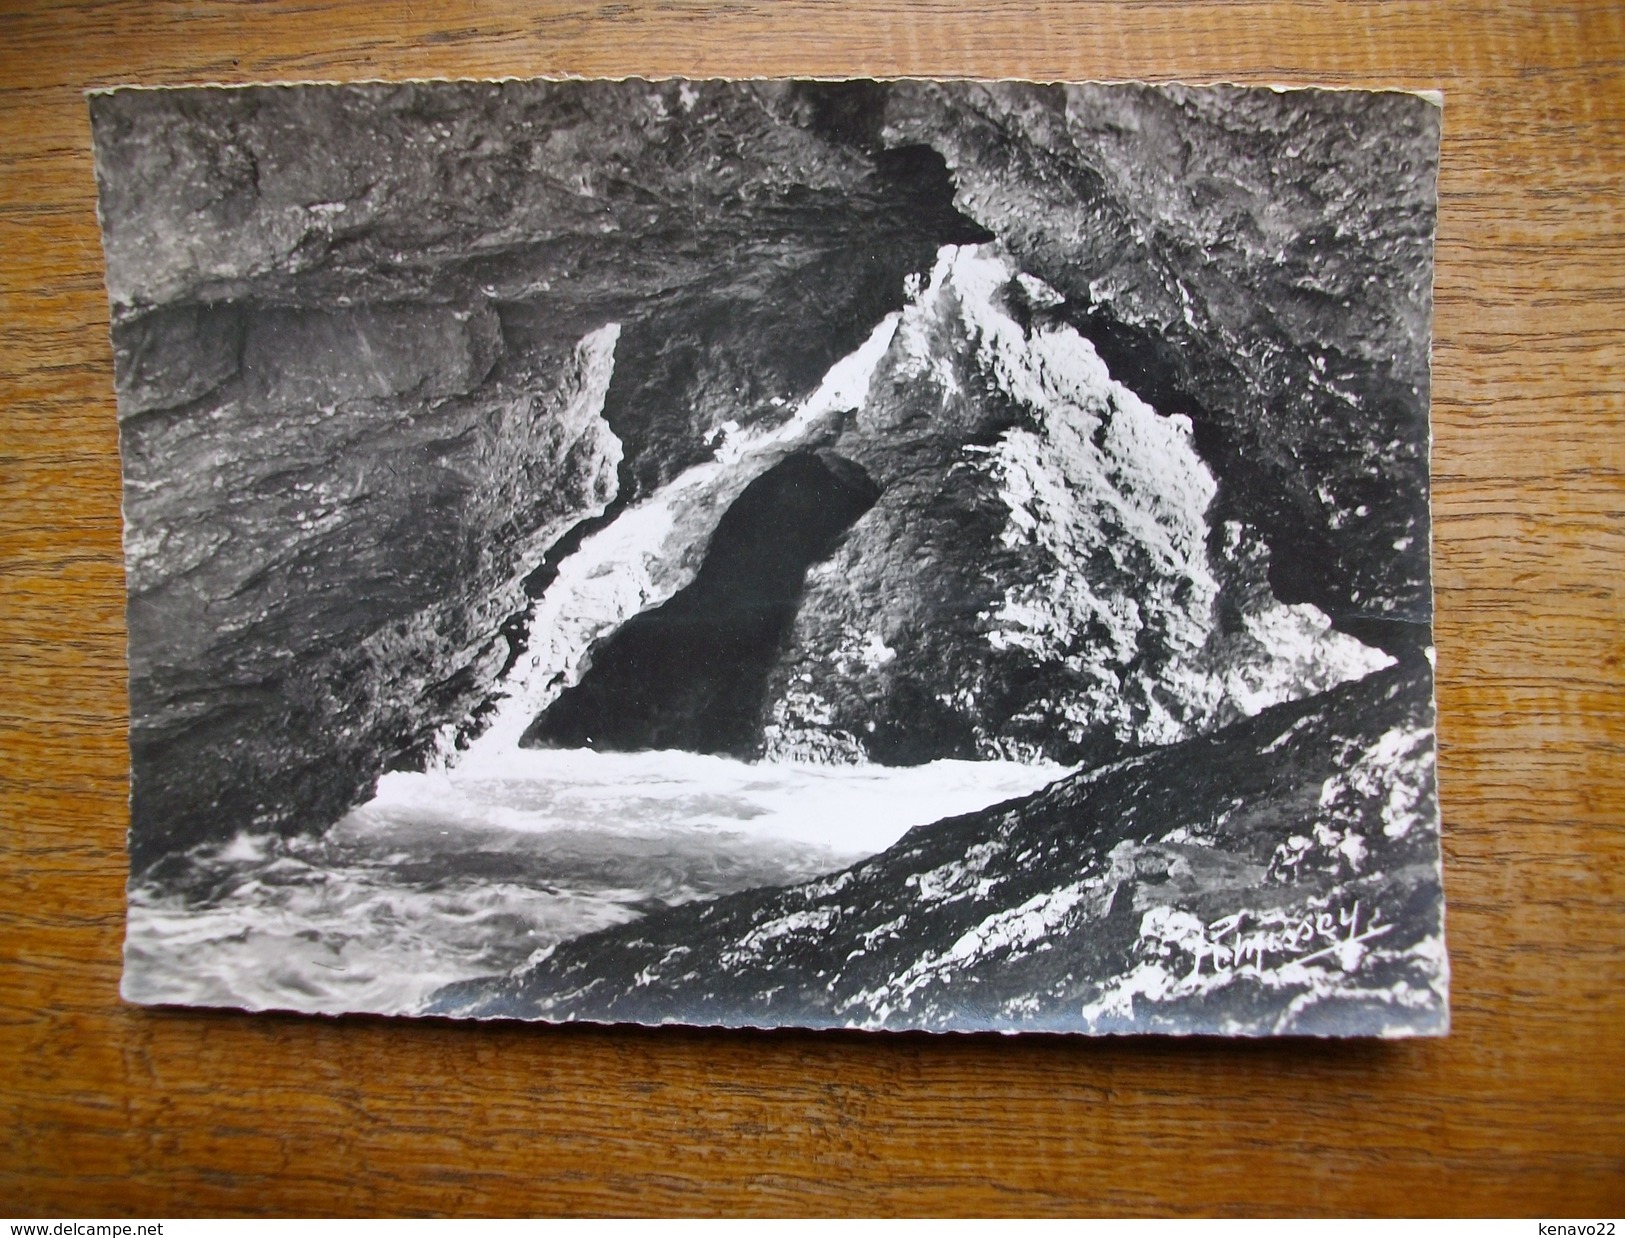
(1259, 940)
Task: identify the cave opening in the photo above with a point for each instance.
(692, 674)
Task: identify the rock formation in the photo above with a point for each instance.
(1130, 447)
(692, 673)
(1259, 261)
(1039, 576)
(1278, 875)
(379, 347)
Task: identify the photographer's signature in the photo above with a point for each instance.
(1262, 940)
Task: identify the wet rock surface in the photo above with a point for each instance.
(1277, 876)
(1258, 261)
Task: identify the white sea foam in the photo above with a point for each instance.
(453, 874)
(848, 811)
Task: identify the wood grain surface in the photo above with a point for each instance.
(111, 1109)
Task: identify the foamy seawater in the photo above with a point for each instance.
(450, 875)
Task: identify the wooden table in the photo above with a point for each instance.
(110, 1109)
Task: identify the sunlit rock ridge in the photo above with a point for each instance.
(1039, 575)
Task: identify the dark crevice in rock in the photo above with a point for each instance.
(692, 674)
(1143, 363)
(547, 571)
(918, 174)
(849, 113)
(1406, 640)
(917, 728)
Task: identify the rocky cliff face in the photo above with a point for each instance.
(1278, 876)
(320, 559)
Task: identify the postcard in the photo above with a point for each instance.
(948, 556)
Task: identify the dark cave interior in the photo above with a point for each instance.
(692, 674)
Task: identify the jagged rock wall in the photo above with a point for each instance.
(1277, 876)
(378, 346)
(742, 242)
(1259, 261)
(309, 582)
(1039, 577)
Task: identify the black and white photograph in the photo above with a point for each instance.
(892, 555)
